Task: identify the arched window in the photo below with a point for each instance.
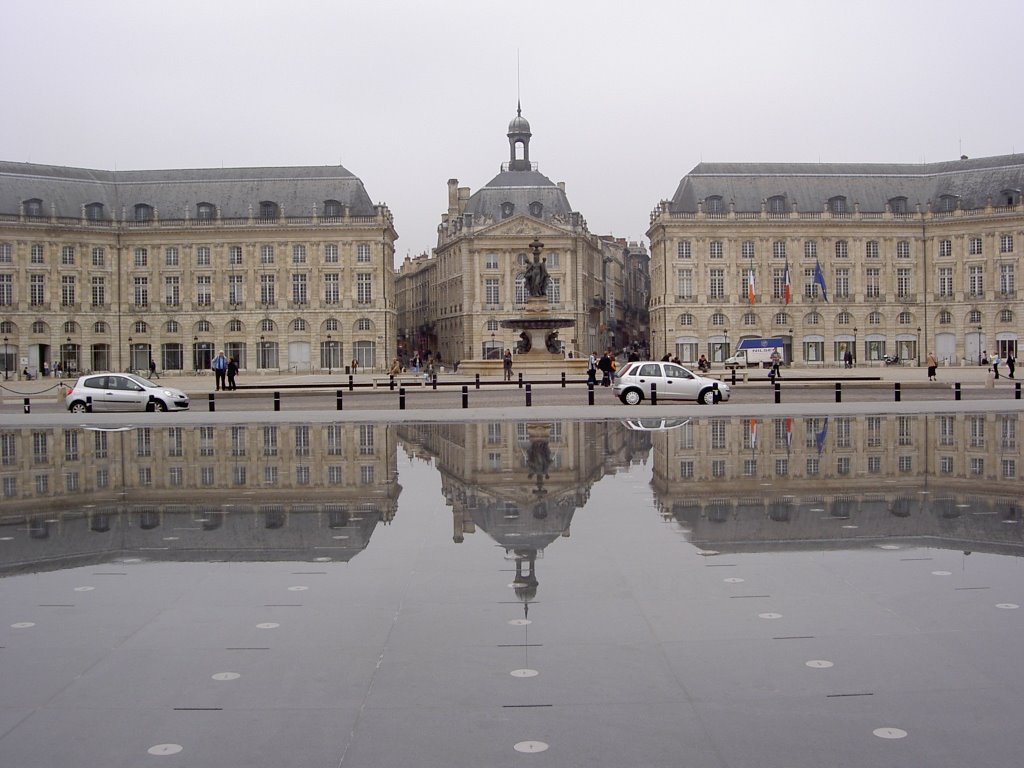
(235, 326)
(331, 324)
(39, 326)
(781, 318)
(947, 203)
(143, 212)
(837, 205)
(266, 326)
(844, 318)
(945, 317)
(520, 287)
(686, 319)
(1009, 197)
(813, 318)
(974, 316)
(536, 209)
(492, 325)
(364, 324)
(332, 209)
(298, 324)
(713, 204)
(898, 204)
(750, 318)
(1006, 316)
(718, 319)
(269, 210)
(99, 327)
(875, 318)
(172, 326)
(905, 318)
(94, 212)
(777, 204)
(33, 207)
(140, 327)
(70, 326)
(507, 209)
(205, 211)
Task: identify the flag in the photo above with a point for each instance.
(819, 437)
(789, 434)
(787, 284)
(819, 278)
(751, 295)
(753, 434)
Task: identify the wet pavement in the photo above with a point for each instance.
(698, 588)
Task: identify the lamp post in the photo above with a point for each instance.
(7, 360)
(130, 353)
(918, 346)
(67, 353)
(979, 346)
(854, 345)
(195, 353)
(725, 350)
(330, 355)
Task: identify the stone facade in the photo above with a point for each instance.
(912, 259)
(286, 269)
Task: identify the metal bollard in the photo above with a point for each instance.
(401, 398)
(212, 402)
(590, 393)
(391, 382)
(778, 393)
(433, 382)
(896, 391)
(350, 383)
(339, 405)
(733, 377)
(520, 379)
(151, 404)
(839, 391)
(654, 393)
(465, 396)
(477, 376)
(529, 396)
(277, 401)
(563, 379)
(88, 404)
(716, 396)
(28, 405)
(956, 390)
(1016, 390)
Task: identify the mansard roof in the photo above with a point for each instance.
(520, 188)
(171, 193)
(870, 185)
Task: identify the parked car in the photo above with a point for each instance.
(673, 381)
(122, 392)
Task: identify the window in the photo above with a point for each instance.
(898, 205)
(6, 291)
(6, 252)
(235, 326)
(266, 326)
(332, 291)
(507, 209)
(684, 283)
(842, 249)
(902, 249)
(947, 203)
(778, 249)
(945, 247)
(683, 250)
(974, 246)
(490, 261)
(94, 211)
(716, 284)
(266, 254)
(140, 326)
(300, 293)
(1008, 279)
(975, 280)
(776, 205)
(1006, 244)
(841, 284)
(905, 318)
(554, 292)
(811, 288)
(203, 256)
(871, 249)
(67, 255)
(331, 253)
(945, 317)
(715, 249)
(813, 319)
(686, 319)
(37, 254)
(205, 211)
(491, 290)
(974, 316)
(37, 290)
(101, 327)
(364, 324)
(536, 209)
(749, 318)
(554, 259)
(67, 290)
(299, 324)
(747, 249)
(872, 282)
(99, 257)
(718, 320)
(904, 283)
(874, 318)
(844, 318)
(363, 253)
(364, 288)
(946, 282)
(203, 287)
(1006, 316)
(143, 212)
(781, 318)
(141, 257)
(269, 211)
(235, 283)
(267, 290)
(779, 283)
(235, 255)
(332, 209)
(810, 249)
(171, 257)
(837, 205)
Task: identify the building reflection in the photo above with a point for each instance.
(522, 482)
(755, 484)
(254, 492)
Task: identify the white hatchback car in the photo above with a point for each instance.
(633, 383)
(122, 392)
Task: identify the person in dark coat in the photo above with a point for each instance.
(232, 372)
(1011, 363)
(605, 366)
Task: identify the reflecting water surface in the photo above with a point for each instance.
(663, 592)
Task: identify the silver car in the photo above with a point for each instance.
(674, 382)
(122, 392)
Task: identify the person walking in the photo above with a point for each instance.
(933, 367)
(1011, 364)
(995, 365)
(232, 371)
(592, 368)
(152, 368)
(605, 366)
(220, 368)
(506, 364)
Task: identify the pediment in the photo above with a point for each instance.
(521, 226)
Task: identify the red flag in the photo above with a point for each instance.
(787, 285)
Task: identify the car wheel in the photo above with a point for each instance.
(161, 406)
(632, 397)
(707, 397)
(78, 407)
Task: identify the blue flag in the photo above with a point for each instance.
(820, 437)
(819, 278)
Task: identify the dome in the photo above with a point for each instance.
(519, 124)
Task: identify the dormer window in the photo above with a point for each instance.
(33, 207)
(269, 211)
(205, 211)
(536, 209)
(777, 204)
(713, 204)
(143, 212)
(94, 212)
(1010, 197)
(898, 204)
(837, 205)
(507, 209)
(332, 209)
(947, 203)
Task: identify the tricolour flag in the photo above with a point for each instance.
(751, 295)
(787, 284)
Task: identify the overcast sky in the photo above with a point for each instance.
(623, 97)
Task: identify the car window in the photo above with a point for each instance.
(676, 372)
(95, 382)
(649, 369)
(119, 383)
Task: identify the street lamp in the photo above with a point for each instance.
(725, 352)
(854, 345)
(918, 346)
(979, 346)
(129, 353)
(67, 354)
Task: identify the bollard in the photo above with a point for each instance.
(839, 391)
(716, 396)
(350, 383)
(211, 400)
(391, 382)
(520, 379)
(151, 404)
(1016, 390)
(28, 405)
(529, 396)
(778, 393)
(401, 398)
(590, 393)
(654, 393)
(733, 382)
(563, 379)
(465, 396)
(88, 404)
(956, 391)
(433, 382)
(477, 382)
(339, 405)
(277, 401)
(896, 391)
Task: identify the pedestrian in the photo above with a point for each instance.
(1011, 364)
(592, 368)
(355, 366)
(220, 367)
(506, 364)
(848, 359)
(232, 372)
(152, 368)
(605, 366)
(933, 367)
(46, 369)
(995, 365)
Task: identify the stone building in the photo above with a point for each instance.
(475, 279)
(876, 259)
(286, 269)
